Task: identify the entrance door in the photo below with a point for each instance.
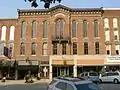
(62, 71)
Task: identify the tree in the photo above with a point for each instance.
(46, 2)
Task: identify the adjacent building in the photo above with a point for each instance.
(60, 41)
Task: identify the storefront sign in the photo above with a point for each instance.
(113, 58)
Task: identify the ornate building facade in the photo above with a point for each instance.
(60, 40)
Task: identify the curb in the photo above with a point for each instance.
(23, 82)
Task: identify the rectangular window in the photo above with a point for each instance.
(84, 28)
(96, 47)
(22, 49)
(54, 48)
(85, 48)
(108, 49)
(45, 29)
(95, 28)
(45, 48)
(74, 48)
(34, 27)
(63, 48)
(23, 30)
(117, 52)
(33, 48)
(108, 52)
(107, 35)
(74, 28)
(115, 37)
(117, 48)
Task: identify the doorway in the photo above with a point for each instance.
(62, 71)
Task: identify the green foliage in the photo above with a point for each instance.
(62, 73)
(28, 79)
(46, 2)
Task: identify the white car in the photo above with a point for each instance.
(110, 77)
(68, 83)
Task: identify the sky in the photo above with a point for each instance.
(8, 8)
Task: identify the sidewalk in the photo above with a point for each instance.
(14, 82)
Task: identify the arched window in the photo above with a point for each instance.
(59, 28)
(12, 30)
(84, 28)
(33, 48)
(3, 34)
(22, 49)
(45, 29)
(74, 28)
(106, 23)
(95, 28)
(115, 23)
(23, 30)
(34, 29)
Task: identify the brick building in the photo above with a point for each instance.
(60, 40)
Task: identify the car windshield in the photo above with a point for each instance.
(87, 86)
(93, 74)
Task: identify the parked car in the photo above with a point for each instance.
(68, 83)
(92, 76)
(111, 77)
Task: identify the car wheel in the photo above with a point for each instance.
(115, 81)
(100, 81)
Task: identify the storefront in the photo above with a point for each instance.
(112, 63)
(74, 65)
(27, 67)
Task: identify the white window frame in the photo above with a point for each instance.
(116, 33)
(117, 47)
(115, 23)
(106, 23)
(108, 47)
(12, 30)
(3, 33)
(107, 35)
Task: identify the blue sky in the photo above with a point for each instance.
(8, 8)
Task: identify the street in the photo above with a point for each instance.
(39, 86)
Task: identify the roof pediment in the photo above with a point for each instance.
(55, 8)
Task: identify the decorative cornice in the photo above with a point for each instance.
(27, 12)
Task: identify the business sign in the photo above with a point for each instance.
(113, 58)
